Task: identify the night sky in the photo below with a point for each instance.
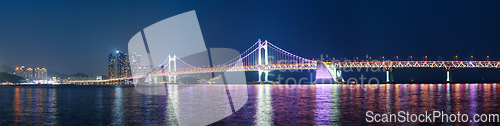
(77, 36)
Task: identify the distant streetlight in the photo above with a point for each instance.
(487, 58)
(411, 58)
(425, 58)
(471, 56)
(456, 58)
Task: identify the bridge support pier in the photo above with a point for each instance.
(266, 75)
(338, 76)
(172, 78)
(389, 76)
(448, 76)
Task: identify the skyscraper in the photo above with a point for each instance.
(120, 64)
(126, 66)
(135, 64)
(111, 65)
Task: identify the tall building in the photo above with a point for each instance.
(135, 65)
(38, 73)
(43, 74)
(29, 73)
(120, 64)
(126, 66)
(23, 74)
(20, 72)
(111, 65)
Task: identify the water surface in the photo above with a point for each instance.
(266, 105)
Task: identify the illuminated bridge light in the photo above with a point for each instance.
(248, 61)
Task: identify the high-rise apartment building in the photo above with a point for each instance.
(29, 74)
(126, 66)
(43, 74)
(122, 65)
(111, 65)
(135, 65)
(38, 73)
(20, 71)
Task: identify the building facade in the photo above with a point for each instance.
(111, 66)
(20, 71)
(135, 65)
(38, 73)
(122, 65)
(126, 66)
(31, 74)
(43, 74)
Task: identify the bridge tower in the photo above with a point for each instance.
(266, 60)
(170, 77)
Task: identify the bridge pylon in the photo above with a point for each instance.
(172, 78)
(265, 62)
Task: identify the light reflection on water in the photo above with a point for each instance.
(118, 107)
(267, 104)
(264, 108)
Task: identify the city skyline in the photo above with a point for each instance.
(79, 39)
(119, 66)
(259, 62)
(31, 74)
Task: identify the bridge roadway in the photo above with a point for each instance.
(258, 58)
(388, 66)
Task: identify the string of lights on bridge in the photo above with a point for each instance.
(265, 56)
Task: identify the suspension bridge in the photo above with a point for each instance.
(264, 57)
